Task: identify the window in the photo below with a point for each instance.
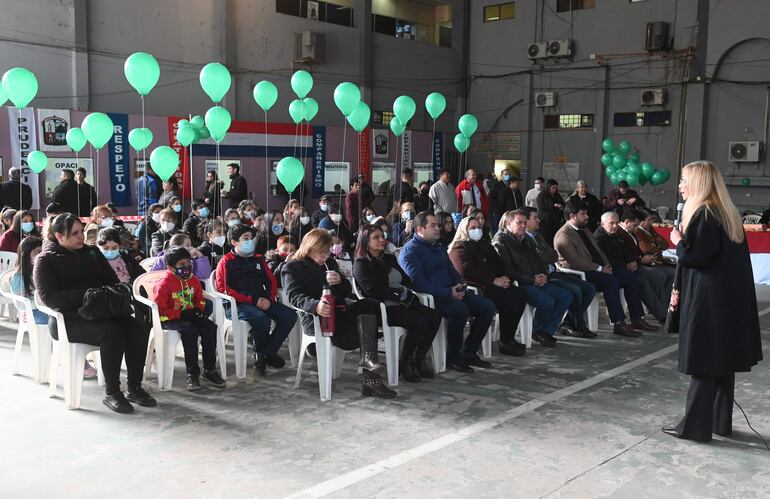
(499, 12)
(417, 20)
(317, 10)
(568, 121)
(567, 5)
(649, 118)
(382, 117)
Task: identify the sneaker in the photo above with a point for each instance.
(213, 378)
(260, 364)
(139, 396)
(476, 361)
(89, 371)
(193, 383)
(275, 360)
(544, 339)
(118, 403)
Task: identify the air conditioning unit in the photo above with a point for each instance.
(560, 48)
(310, 47)
(653, 96)
(656, 37)
(537, 50)
(744, 152)
(546, 99)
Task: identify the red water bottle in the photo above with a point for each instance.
(327, 323)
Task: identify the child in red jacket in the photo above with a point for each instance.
(179, 296)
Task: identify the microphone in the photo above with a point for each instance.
(679, 208)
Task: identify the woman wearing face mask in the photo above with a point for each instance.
(479, 264)
(148, 226)
(214, 234)
(248, 211)
(304, 278)
(273, 228)
(334, 223)
(479, 216)
(168, 228)
(175, 204)
(101, 218)
(403, 230)
(233, 218)
(300, 225)
(367, 216)
(126, 268)
(200, 213)
(23, 225)
(65, 269)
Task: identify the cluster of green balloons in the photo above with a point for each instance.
(190, 131)
(468, 124)
(19, 85)
(303, 109)
(404, 108)
(622, 164)
(164, 161)
(290, 172)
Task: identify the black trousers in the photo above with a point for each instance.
(510, 303)
(421, 324)
(115, 338)
(191, 330)
(709, 407)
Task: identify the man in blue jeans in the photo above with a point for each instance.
(425, 261)
(246, 277)
(523, 265)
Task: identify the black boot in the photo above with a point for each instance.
(367, 333)
(421, 364)
(374, 387)
(408, 370)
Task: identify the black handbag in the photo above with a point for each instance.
(675, 305)
(107, 302)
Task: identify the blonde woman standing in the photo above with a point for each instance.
(718, 322)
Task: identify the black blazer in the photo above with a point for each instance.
(520, 259)
(303, 281)
(371, 276)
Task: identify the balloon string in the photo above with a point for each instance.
(192, 195)
(146, 189)
(267, 171)
(344, 138)
(77, 187)
(433, 154)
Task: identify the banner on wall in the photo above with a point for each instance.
(438, 154)
(120, 178)
(319, 160)
(54, 124)
(56, 165)
(182, 174)
(406, 150)
(23, 141)
(364, 153)
(380, 143)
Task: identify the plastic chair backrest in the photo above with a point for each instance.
(147, 263)
(147, 282)
(7, 260)
(5, 281)
(355, 289)
(752, 219)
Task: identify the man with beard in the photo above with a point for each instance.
(239, 190)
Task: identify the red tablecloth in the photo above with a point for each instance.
(759, 242)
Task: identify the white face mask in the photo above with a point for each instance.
(107, 222)
(156, 217)
(539, 187)
(167, 226)
(218, 241)
(249, 214)
(336, 217)
(304, 220)
(475, 234)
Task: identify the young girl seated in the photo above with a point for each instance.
(200, 264)
(179, 296)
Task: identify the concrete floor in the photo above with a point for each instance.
(581, 420)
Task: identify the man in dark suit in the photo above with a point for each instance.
(402, 191)
(66, 193)
(86, 194)
(13, 193)
(239, 189)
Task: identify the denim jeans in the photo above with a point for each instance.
(457, 312)
(583, 293)
(550, 302)
(264, 342)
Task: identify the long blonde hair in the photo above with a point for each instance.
(707, 190)
(316, 239)
(461, 235)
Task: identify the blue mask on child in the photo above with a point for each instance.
(110, 254)
(233, 223)
(177, 208)
(204, 212)
(247, 247)
(27, 227)
(277, 228)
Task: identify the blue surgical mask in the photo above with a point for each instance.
(506, 178)
(27, 227)
(110, 254)
(371, 217)
(277, 228)
(177, 208)
(204, 212)
(324, 207)
(233, 222)
(246, 247)
(407, 215)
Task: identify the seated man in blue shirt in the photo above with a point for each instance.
(425, 261)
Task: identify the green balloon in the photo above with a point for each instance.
(643, 179)
(634, 156)
(183, 123)
(666, 176)
(37, 161)
(98, 128)
(164, 161)
(297, 111)
(359, 118)
(140, 138)
(215, 80)
(746, 182)
(462, 142)
(606, 159)
(615, 178)
(311, 108)
(265, 94)
(468, 124)
(632, 178)
(404, 108)
(302, 83)
(218, 122)
(396, 126)
(435, 104)
(20, 85)
(346, 96)
(203, 133)
(658, 177)
(624, 147)
(290, 173)
(76, 139)
(609, 170)
(619, 161)
(634, 167)
(185, 136)
(648, 169)
(608, 146)
(622, 175)
(197, 122)
(142, 72)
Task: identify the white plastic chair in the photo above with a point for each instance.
(147, 263)
(39, 336)
(392, 336)
(71, 357)
(486, 343)
(239, 328)
(130, 227)
(439, 342)
(163, 341)
(295, 337)
(593, 308)
(7, 262)
(752, 219)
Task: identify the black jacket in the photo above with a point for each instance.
(316, 217)
(520, 259)
(63, 276)
(477, 262)
(614, 248)
(238, 191)
(501, 198)
(400, 191)
(547, 211)
(9, 194)
(66, 194)
(134, 269)
(295, 230)
(87, 199)
(371, 277)
(303, 281)
(159, 239)
(190, 227)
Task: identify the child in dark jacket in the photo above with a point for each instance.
(179, 296)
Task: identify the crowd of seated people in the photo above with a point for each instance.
(473, 269)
